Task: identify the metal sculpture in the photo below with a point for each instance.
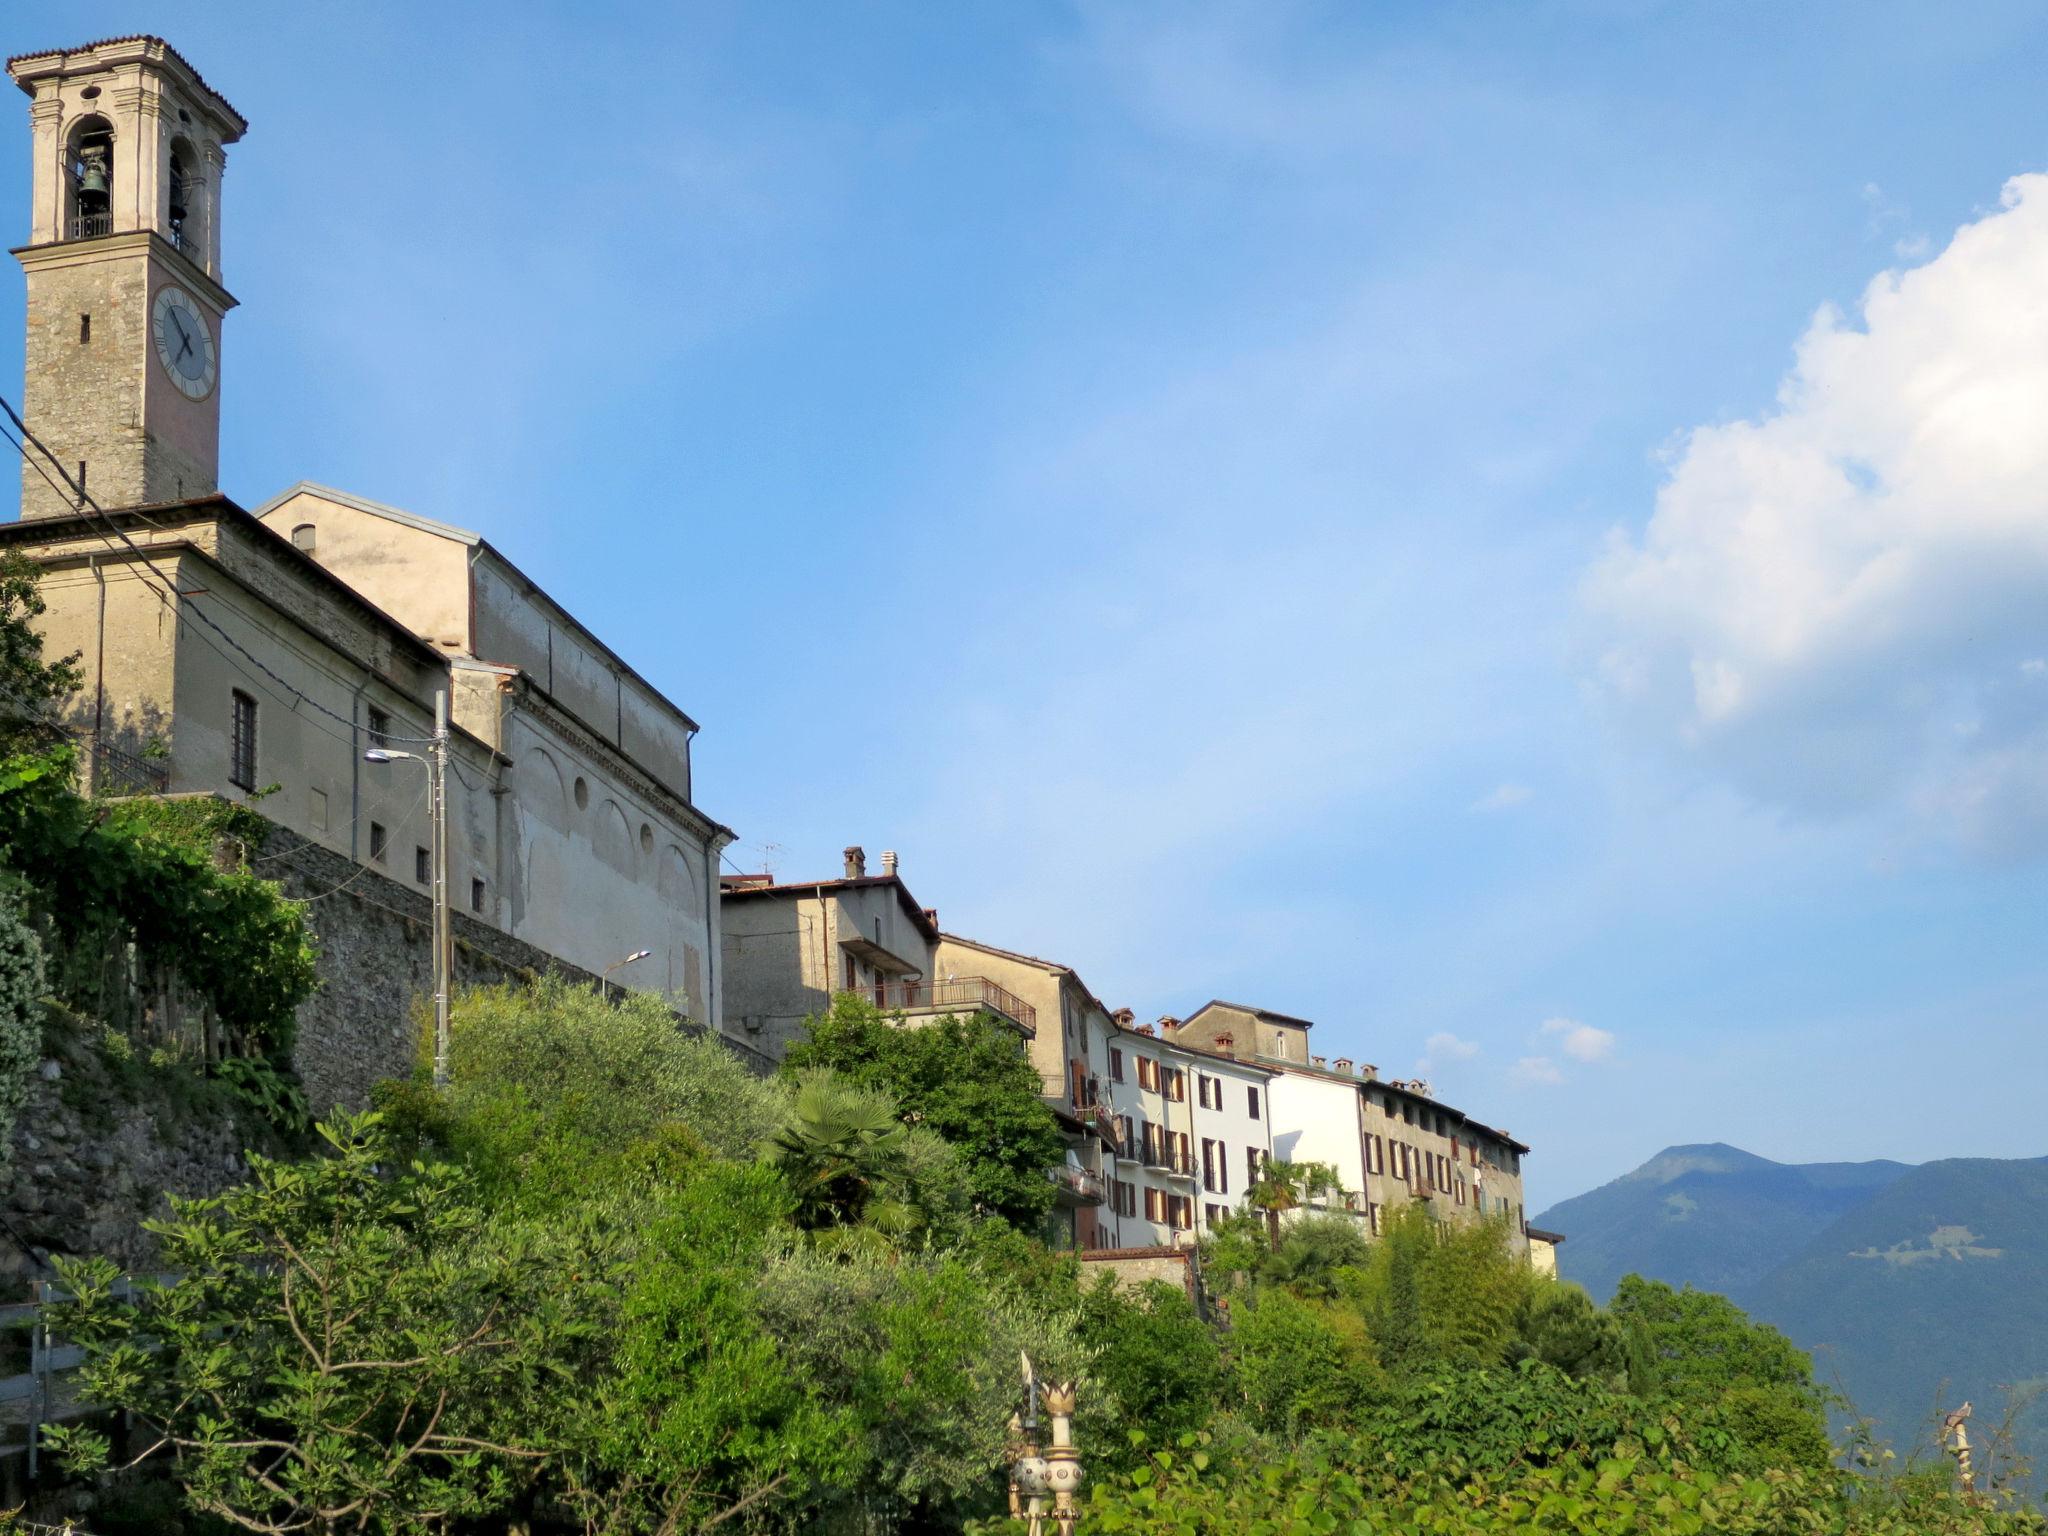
(1053, 1475)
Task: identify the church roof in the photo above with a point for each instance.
(133, 37)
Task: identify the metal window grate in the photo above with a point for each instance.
(242, 743)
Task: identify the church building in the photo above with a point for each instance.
(291, 656)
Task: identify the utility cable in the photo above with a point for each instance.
(86, 503)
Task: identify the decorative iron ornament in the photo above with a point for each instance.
(1053, 1475)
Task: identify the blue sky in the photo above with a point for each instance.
(1356, 508)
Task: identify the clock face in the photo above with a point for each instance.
(184, 343)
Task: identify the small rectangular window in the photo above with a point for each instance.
(1251, 1098)
(378, 840)
(84, 329)
(316, 806)
(422, 866)
(242, 742)
(379, 727)
(1116, 1066)
(476, 895)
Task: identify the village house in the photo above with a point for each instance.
(1388, 1142)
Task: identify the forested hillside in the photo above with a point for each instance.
(1914, 1287)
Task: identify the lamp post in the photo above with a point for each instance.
(604, 976)
(436, 759)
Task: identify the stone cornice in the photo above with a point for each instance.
(65, 253)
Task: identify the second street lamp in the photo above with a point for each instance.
(436, 759)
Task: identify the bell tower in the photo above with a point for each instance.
(123, 263)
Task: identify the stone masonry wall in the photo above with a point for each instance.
(375, 937)
(93, 1158)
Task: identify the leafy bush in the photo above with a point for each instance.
(1158, 1364)
(99, 875)
(967, 1079)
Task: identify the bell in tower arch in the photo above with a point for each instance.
(92, 182)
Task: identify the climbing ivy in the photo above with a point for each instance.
(144, 871)
(21, 1006)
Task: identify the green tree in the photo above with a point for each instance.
(339, 1347)
(968, 1080)
(1284, 1185)
(1156, 1361)
(605, 1071)
(703, 1415)
(1297, 1366)
(29, 684)
(1315, 1254)
(842, 1150)
(1703, 1349)
(1559, 1324)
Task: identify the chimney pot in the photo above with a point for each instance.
(1317, 1061)
(888, 861)
(856, 862)
(1344, 1065)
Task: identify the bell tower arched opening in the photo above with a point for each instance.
(89, 180)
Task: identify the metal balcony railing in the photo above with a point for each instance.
(1082, 1185)
(958, 994)
(115, 770)
(1169, 1159)
(90, 226)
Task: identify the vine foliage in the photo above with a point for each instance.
(99, 874)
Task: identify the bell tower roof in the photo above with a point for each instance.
(28, 69)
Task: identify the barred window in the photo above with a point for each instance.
(242, 743)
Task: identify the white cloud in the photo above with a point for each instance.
(1825, 604)
(2034, 666)
(1443, 1047)
(1538, 1071)
(1581, 1042)
(1503, 797)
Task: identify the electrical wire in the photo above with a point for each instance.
(165, 595)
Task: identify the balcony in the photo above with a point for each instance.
(90, 226)
(958, 994)
(1168, 1160)
(1076, 1186)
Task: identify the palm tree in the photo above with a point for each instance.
(842, 1148)
(1283, 1185)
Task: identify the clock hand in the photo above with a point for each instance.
(183, 334)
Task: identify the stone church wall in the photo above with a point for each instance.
(375, 937)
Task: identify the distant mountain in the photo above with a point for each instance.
(1712, 1216)
(1907, 1283)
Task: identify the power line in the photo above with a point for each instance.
(164, 595)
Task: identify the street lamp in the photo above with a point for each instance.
(603, 976)
(436, 759)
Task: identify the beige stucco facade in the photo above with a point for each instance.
(1390, 1142)
(789, 947)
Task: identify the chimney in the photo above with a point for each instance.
(1317, 1061)
(1225, 1042)
(1125, 1017)
(1168, 1024)
(856, 862)
(1344, 1065)
(889, 861)
(931, 915)
(1145, 1029)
